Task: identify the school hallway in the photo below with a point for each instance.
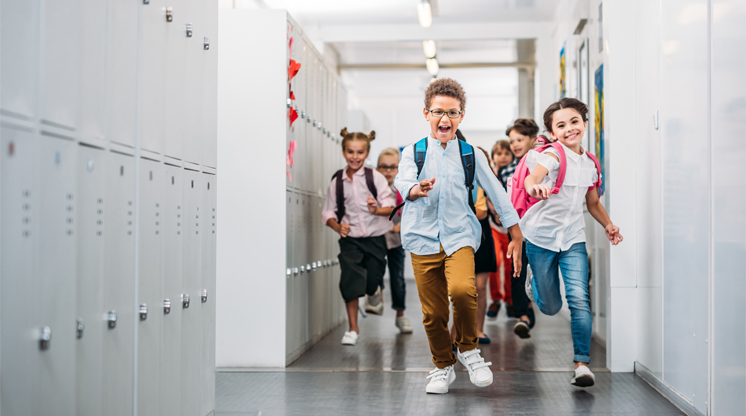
(385, 374)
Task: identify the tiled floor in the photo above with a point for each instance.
(385, 375)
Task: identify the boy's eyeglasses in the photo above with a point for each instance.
(441, 113)
(388, 167)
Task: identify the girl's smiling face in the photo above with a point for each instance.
(355, 154)
(520, 144)
(569, 128)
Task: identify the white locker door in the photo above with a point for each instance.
(207, 301)
(152, 61)
(122, 73)
(175, 53)
(91, 171)
(21, 319)
(290, 302)
(19, 58)
(191, 324)
(149, 283)
(119, 285)
(92, 76)
(193, 82)
(209, 156)
(58, 273)
(173, 220)
(61, 63)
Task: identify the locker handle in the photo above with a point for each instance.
(112, 319)
(45, 337)
(302, 269)
(185, 301)
(203, 295)
(289, 102)
(189, 30)
(143, 312)
(313, 265)
(80, 328)
(295, 271)
(145, 1)
(207, 43)
(308, 268)
(166, 306)
(288, 273)
(302, 114)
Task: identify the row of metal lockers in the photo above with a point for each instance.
(107, 207)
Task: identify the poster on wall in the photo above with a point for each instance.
(599, 105)
(563, 73)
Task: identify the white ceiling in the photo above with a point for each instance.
(448, 52)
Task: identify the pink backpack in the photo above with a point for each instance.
(520, 197)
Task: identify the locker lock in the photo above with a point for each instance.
(289, 102)
(323, 130)
(302, 114)
(319, 263)
(313, 265)
(308, 267)
(207, 43)
(166, 306)
(314, 123)
(143, 312)
(203, 295)
(169, 14)
(319, 125)
(189, 30)
(112, 319)
(295, 271)
(288, 273)
(45, 337)
(308, 120)
(185, 301)
(302, 269)
(79, 329)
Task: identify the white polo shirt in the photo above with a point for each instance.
(557, 223)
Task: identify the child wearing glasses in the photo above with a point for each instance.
(388, 165)
(358, 202)
(442, 232)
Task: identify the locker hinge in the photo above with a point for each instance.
(79, 329)
(45, 337)
(166, 306)
(112, 319)
(143, 312)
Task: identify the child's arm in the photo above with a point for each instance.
(599, 213)
(486, 180)
(342, 229)
(329, 216)
(533, 181)
(406, 181)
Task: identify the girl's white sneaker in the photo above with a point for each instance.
(583, 377)
(405, 327)
(349, 338)
(440, 380)
(479, 371)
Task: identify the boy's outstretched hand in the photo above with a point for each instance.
(420, 190)
(612, 232)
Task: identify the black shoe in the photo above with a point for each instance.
(492, 311)
(531, 318)
(509, 310)
(522, 330)
(485, 340)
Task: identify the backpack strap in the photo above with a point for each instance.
(419, 150)
(468, 161)
(340, 195)
(598, 168)
(370, 182)
(562, 164)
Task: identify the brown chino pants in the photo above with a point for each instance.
(439, 276)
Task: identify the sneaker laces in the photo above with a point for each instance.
(438, 374)
(474, 360)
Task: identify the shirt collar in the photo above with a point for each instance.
(360, 172)
(570, 154)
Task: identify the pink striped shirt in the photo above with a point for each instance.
(362, 222)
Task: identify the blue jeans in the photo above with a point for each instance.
(573, 263)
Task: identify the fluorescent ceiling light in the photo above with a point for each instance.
(429, 47)
(432, 66)
(425, 13)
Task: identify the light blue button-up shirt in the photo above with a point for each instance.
(445, 217)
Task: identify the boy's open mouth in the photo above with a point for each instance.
(444, 129)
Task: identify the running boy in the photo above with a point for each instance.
(442, 232)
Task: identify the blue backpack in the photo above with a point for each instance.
(468, 160)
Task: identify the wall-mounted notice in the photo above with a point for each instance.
(599, 105)
(563, 73)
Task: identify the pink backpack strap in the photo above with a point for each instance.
(598, 168)
(562, 164)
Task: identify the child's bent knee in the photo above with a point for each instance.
(550, 310)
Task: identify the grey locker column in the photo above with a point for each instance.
(21, 319)
(176, 43)
(119, 286)
(173, 225)
(19, 33)
(152, 74)
(208, 300)
(193, 82)
(209, 141)
(56, 297)
(121, 115)
(91, 170)
(191, 324)
(292, 265)
(149, 281)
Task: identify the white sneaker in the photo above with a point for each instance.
(405, 327)
(350, 338)
(529, 288)
(583, 377)
(440, 380)
(479, 371)
(373, 304)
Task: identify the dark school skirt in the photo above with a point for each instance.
(363, 264)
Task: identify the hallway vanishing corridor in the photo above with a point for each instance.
(384, 374)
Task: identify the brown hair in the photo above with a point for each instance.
(504, 145)
(348, 137)
(566, 102)
(524, 126)
(445, 87)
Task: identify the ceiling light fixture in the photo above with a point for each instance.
(429, 47)
(425, 13)
(432, 66)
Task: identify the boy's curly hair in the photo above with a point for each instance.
(445, 87)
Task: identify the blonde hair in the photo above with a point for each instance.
(389, 151)
(348, 137)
